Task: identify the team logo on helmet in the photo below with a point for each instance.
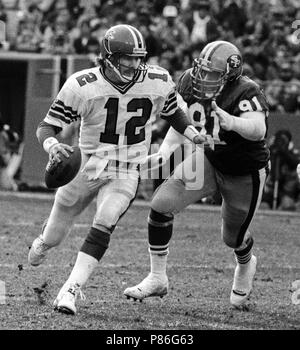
(234, 61)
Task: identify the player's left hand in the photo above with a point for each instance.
(226, 120)
(298, 170)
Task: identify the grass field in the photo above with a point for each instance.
(200, 273)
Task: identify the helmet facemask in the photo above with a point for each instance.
(127, 73)
(207, 81)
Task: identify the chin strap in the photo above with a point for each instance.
(116, 71)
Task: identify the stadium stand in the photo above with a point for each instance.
(266, 32)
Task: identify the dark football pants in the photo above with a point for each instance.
(196, 178)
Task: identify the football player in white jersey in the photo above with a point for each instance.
(116, 103)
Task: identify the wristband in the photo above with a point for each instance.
(190, 132)
(49, 142)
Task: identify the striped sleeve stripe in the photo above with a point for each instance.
(169, 108)
(65, 112)
(67, 108)
(59, 116)
(170, 101)
(172, 95)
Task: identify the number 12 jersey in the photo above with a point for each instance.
(116, 121)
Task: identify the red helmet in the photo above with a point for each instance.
(124, 40)
(218, 62)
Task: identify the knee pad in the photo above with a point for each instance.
(66, 196)
(110, 210)
(107, 218)
(75, 194)
(162, 204)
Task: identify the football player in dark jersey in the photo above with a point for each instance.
(231, 110)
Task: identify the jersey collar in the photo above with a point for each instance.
(121, 88)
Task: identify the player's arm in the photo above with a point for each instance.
(174, 113)
(46, 135)
(66, 109)
(179, 121)
(250, 125)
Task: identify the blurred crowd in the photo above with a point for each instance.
(175, 32)
(266, 31)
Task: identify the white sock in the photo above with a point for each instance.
(83, 268)
(158, 264)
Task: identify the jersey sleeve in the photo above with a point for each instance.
(170, 105)
(182, 104)
(252, 99)
(68, 106)
(165, 87)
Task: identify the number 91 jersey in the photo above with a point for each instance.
(116, 121)
(232, 153)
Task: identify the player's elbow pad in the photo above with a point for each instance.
(250, 129)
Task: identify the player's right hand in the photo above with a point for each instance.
(57, 149)
(198, 139)
(298, 171)
(226, 120)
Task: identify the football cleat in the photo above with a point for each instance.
(242, 282)
(151, 286)
(37, 252)
(66, 298)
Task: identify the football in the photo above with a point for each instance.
(59, 174)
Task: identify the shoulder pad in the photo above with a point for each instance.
(249, 87)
